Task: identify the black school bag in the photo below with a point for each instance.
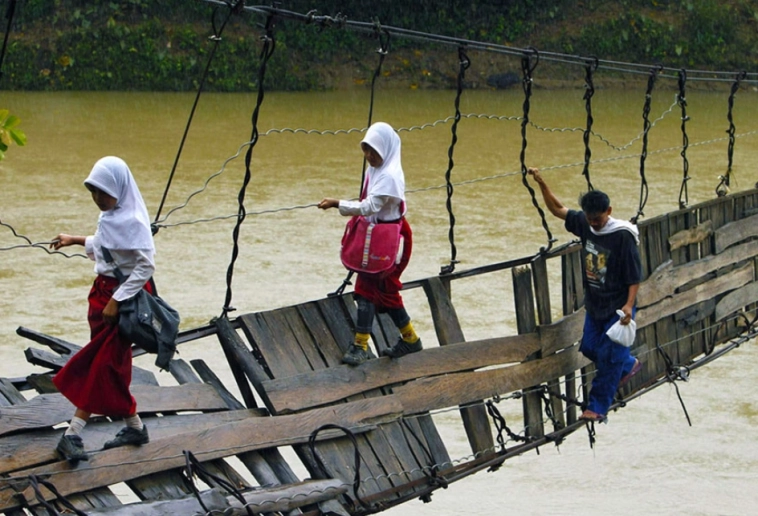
(147, 320)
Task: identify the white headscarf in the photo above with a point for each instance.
(388, 179)
(127, 225)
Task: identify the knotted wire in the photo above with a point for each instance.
(464, 64)
(269, 45)
(589, 70)
(723, 187)
(216, 38)
(682, 100)
(527, 67)
(653, 75)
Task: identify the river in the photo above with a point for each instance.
(646, 460)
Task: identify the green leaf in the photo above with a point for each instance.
(18, 137)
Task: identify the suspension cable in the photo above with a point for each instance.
(268, 49)
(723, 187)
(653, 75)
(589, 70)
(216, 38)
(682, 100)
(464, 64)
(527, 67)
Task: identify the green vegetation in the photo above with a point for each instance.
(9, 132)
(165, 44)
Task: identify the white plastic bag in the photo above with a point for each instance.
(622, 333)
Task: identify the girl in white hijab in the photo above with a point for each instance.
(97, 378)
(382, 200)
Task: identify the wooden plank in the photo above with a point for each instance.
(213, 501)
(691, 236)
(448, 329)
(104, 468)
(664, 281)
(736, 300)
(18, 451)
(734, 232)
(440, 392)
(526, 322)
(325, 386)
(677, 302)
(561, 334)
(47, 410)
(322, 336)
(245, 364)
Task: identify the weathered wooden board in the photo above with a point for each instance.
(440, 392)
(736, 231)
(105, 468)
(677, 302)
(736, 300)
(47, 410)
(561, 334)
(19, 451)
(664, 281)
(690, 236)
(306, 390)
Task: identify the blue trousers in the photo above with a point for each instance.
(612, 361)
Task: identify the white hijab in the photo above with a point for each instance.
(388, 179)
(127, 225)
(614, 225)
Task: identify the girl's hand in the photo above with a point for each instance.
(329, 203)
(110, 312)
(63, 240)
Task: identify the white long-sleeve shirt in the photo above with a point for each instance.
(138, 264)
(381, 207)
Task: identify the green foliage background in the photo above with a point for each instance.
(159, 45)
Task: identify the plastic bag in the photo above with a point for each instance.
(622, 333)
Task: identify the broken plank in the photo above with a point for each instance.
(561, 334)
(47, 410)
(691, 236)
(734, 232)
(736, 300)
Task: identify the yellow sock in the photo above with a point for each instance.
(409, 334)
(361, 340)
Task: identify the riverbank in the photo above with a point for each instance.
(147, 46)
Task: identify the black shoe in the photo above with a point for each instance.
(356, 355)
(71, 448)
(403, 348)
(128, 435)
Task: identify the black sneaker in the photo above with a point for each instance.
(71, 448)
(356, 355)
(128, 435)
(403, 348)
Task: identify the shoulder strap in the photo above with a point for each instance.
(109, 259)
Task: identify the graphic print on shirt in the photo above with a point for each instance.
(595, 264)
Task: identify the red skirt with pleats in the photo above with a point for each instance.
(97, 378)
(383, 289)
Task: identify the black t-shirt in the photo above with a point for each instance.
(610, 262)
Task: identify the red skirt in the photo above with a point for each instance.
(97, 378)
(383, 289)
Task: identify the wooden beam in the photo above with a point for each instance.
(325, 386)
(691, 236)
(446, 391)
